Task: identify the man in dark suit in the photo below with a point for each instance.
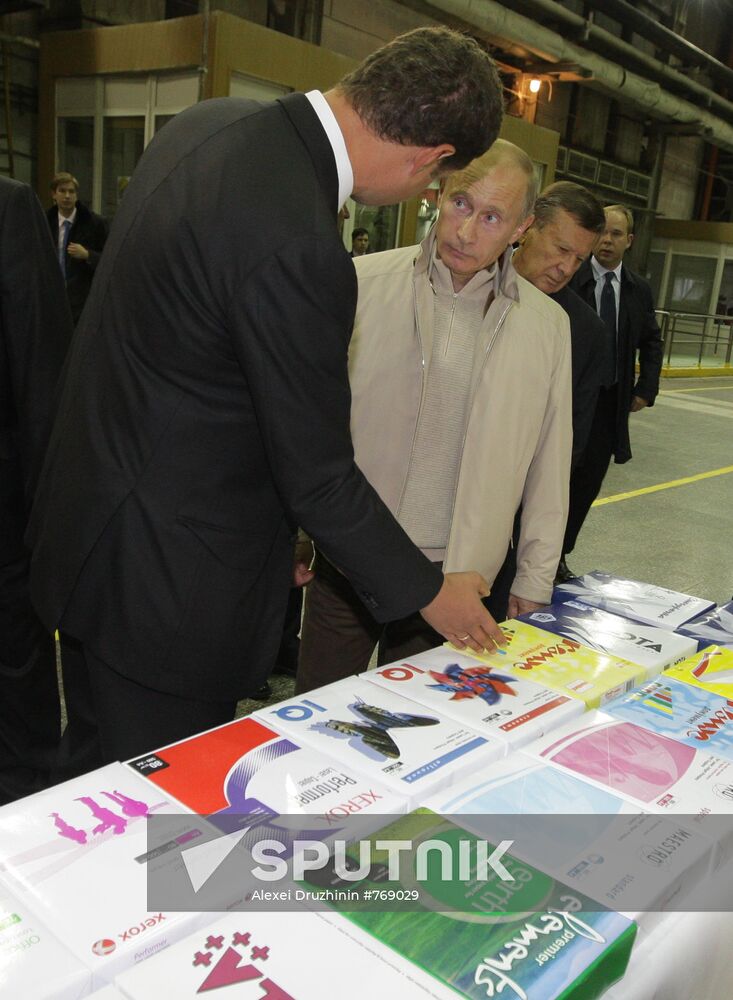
(567, 221)
(35, 331)
(79, 235)
(205, 408)
(624, 302)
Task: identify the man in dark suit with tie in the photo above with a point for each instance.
(35, 331)
(79, 235)
(624, 302)
(204, 414)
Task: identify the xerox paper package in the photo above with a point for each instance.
(76, 855)
(246, 771)
(407, 747)
(508, 707)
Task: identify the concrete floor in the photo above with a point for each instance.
(680, 536)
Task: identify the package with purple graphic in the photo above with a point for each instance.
(715, 627)
(692, 715)
(642, 602)
(244, 774)
(255, 956)
(33, 963)
(506, 706)
(409, 748)
(653, 648)
(76, 855)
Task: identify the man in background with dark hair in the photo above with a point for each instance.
(623, 300)
(35, 331)
(79, 236)
(204, 414)
(359, 242)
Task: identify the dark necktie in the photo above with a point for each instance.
(64, 244)
(608, 315)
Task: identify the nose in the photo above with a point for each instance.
(466, 229)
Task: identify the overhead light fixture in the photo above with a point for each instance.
(534, 85)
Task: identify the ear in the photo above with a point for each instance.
(428, 157)
(630, 238)
(521, 229)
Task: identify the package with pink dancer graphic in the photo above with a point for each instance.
(75, 855)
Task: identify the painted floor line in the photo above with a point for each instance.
(714, 408)
(700, 388)
(664, 486)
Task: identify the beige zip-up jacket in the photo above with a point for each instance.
(518, 437)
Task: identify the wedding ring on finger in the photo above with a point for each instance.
(462, 638)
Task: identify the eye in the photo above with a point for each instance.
(491, 217)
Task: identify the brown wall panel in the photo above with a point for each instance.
(243, 47)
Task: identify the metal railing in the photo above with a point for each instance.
(696, 340)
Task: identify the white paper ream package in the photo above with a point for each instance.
(650, 770)
(279, 956)
(500, 705)
(616, 857)
(76, 855)
(652, 647)
(34, 965)
(641, 602)
(715, 627)
(411, 749)
(245, 773)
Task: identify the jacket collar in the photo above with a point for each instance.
(506, 283)
(305, 121)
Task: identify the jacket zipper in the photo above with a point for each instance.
(450, 325)
(490, 344)
(422, 398)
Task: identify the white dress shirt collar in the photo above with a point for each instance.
(335, 136)
(599, 271)
(71, 218)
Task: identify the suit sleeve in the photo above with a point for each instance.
(36, 324)
(650, 345)
(99, 238)
(293, 323)
(587, 356)
(545, 497)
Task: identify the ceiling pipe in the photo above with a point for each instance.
(665, 39)
(647, 64)
(493, 19)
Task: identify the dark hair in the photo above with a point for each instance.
(359, 231)
(574, 199)
(427, 87)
